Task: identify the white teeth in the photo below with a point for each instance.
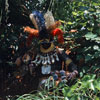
(38, 62)
(36, 59)
(56, 57)
(46, 59)
(52, 59)
(42, 60)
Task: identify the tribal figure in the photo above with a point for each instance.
(48, 60)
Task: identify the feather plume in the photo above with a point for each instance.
(31, 31)
(38, 20)
(33, 20)
(54, 26)
(59, 33)
(29, 40)
(49, 19)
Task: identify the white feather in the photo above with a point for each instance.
(33, 20)
(49, 19)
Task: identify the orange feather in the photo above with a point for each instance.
(54, 26)
(31, 31)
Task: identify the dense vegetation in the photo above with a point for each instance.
(81, 24)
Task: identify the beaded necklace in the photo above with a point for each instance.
(46, 59)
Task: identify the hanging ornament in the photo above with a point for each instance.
(52, 59)
(42, 60)
(48, 59)
(46, 69)
(35, 61)
(56, 56)
(45, 61)
(38, 62)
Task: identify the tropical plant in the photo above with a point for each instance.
(87, 88)
(81, 24)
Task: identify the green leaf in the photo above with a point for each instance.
(70, 23)
(75, 97)
(97, 98)
(95, 47)
(67, 92)
(81, 74)
(74, 13)
(66, 98)
(88, 57)
(88, 77)
(90, 35)
(97, 54)
(97, 85)
(2, 36)
(92, 86)
(82, 8)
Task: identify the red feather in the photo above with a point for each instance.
(59, 33)
(32, 33)
(29, 40)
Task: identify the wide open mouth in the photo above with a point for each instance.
(45, 44)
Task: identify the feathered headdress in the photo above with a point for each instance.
(45, 27)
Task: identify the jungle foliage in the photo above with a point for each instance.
(81, 24)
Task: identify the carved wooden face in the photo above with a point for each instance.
(45, 39)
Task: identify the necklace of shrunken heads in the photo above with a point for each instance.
(46, 59)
